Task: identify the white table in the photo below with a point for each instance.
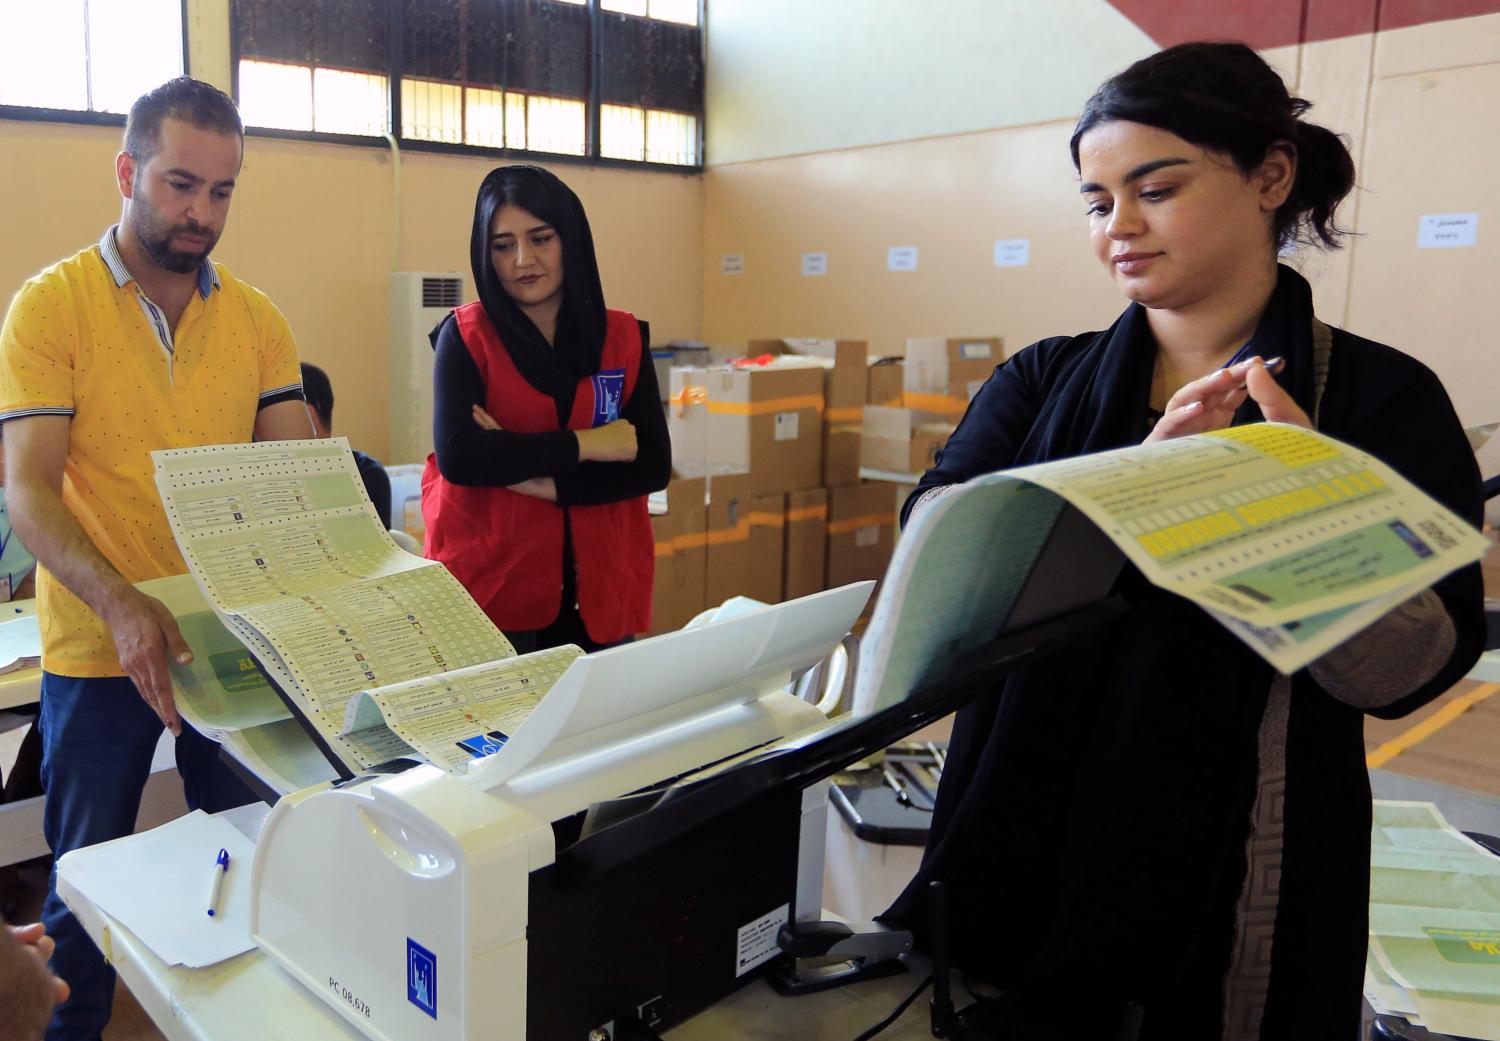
(24, 686)
(249, 998)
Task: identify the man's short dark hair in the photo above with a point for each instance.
(192, 101)
(318, 391)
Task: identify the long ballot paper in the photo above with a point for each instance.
(1434, 954)
(288, 552)
(226, 697)
(1291, 539)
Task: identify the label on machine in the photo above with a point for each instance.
(757, 939)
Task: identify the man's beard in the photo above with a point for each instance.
(158, 243)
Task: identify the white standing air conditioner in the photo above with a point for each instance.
(419, 300)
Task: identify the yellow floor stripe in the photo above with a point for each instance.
(1431, 725)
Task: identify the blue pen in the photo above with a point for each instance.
(1238, 355)
(221, 868)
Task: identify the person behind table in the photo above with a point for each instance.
(1154, 817)
(548, 429)
(319, 392)
(137, 343)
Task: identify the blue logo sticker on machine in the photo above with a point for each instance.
(421, 977)
(481, 745)
(609, 391)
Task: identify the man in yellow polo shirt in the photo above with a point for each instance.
(135, 344)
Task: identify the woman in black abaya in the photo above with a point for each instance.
(1156, 816)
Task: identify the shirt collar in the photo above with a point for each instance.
(109, 249)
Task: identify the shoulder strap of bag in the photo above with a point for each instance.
(1322, 351)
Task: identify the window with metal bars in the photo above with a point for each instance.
(596, 79)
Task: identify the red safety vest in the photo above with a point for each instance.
(506, 548)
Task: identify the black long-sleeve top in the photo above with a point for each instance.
(469, 455)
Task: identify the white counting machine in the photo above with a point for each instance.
(625, 860)
(651, 837)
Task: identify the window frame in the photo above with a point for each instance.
(395, 74)
(95, 118)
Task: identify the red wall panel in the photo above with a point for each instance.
(1277, 23)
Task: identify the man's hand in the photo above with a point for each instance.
(36, 450)
(146, 637)
(611, 443)
(28, 990)
(35, 939)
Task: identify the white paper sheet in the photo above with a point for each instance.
(20, 644)
(157, 884)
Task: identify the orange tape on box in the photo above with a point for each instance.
(854, 523)
(943, 404)
(764, 408)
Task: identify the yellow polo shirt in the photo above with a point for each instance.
(81, 340)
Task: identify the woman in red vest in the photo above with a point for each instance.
(548, 429)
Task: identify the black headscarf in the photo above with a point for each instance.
(578, 343)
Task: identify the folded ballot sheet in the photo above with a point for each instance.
(1292, 540)
(1434, 954)
(379, 654)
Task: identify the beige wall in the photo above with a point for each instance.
(949, 197)
(791, 76)
(1432, 146)
(1417, 104)
(315, 226)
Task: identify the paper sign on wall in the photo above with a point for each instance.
(1012, 252)
(815, 263)
(732, 264)
(1446, 230)
(901, 258)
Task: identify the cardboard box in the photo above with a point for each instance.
(767, 422)
(806, 550)
(745, 537)
(886, 383)
(843, 398)
(901, 440)
(680, 591)
(810, 347)
(687, 421)
(941, 376)
(861, 532)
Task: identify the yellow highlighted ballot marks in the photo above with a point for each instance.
(1287, 445)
